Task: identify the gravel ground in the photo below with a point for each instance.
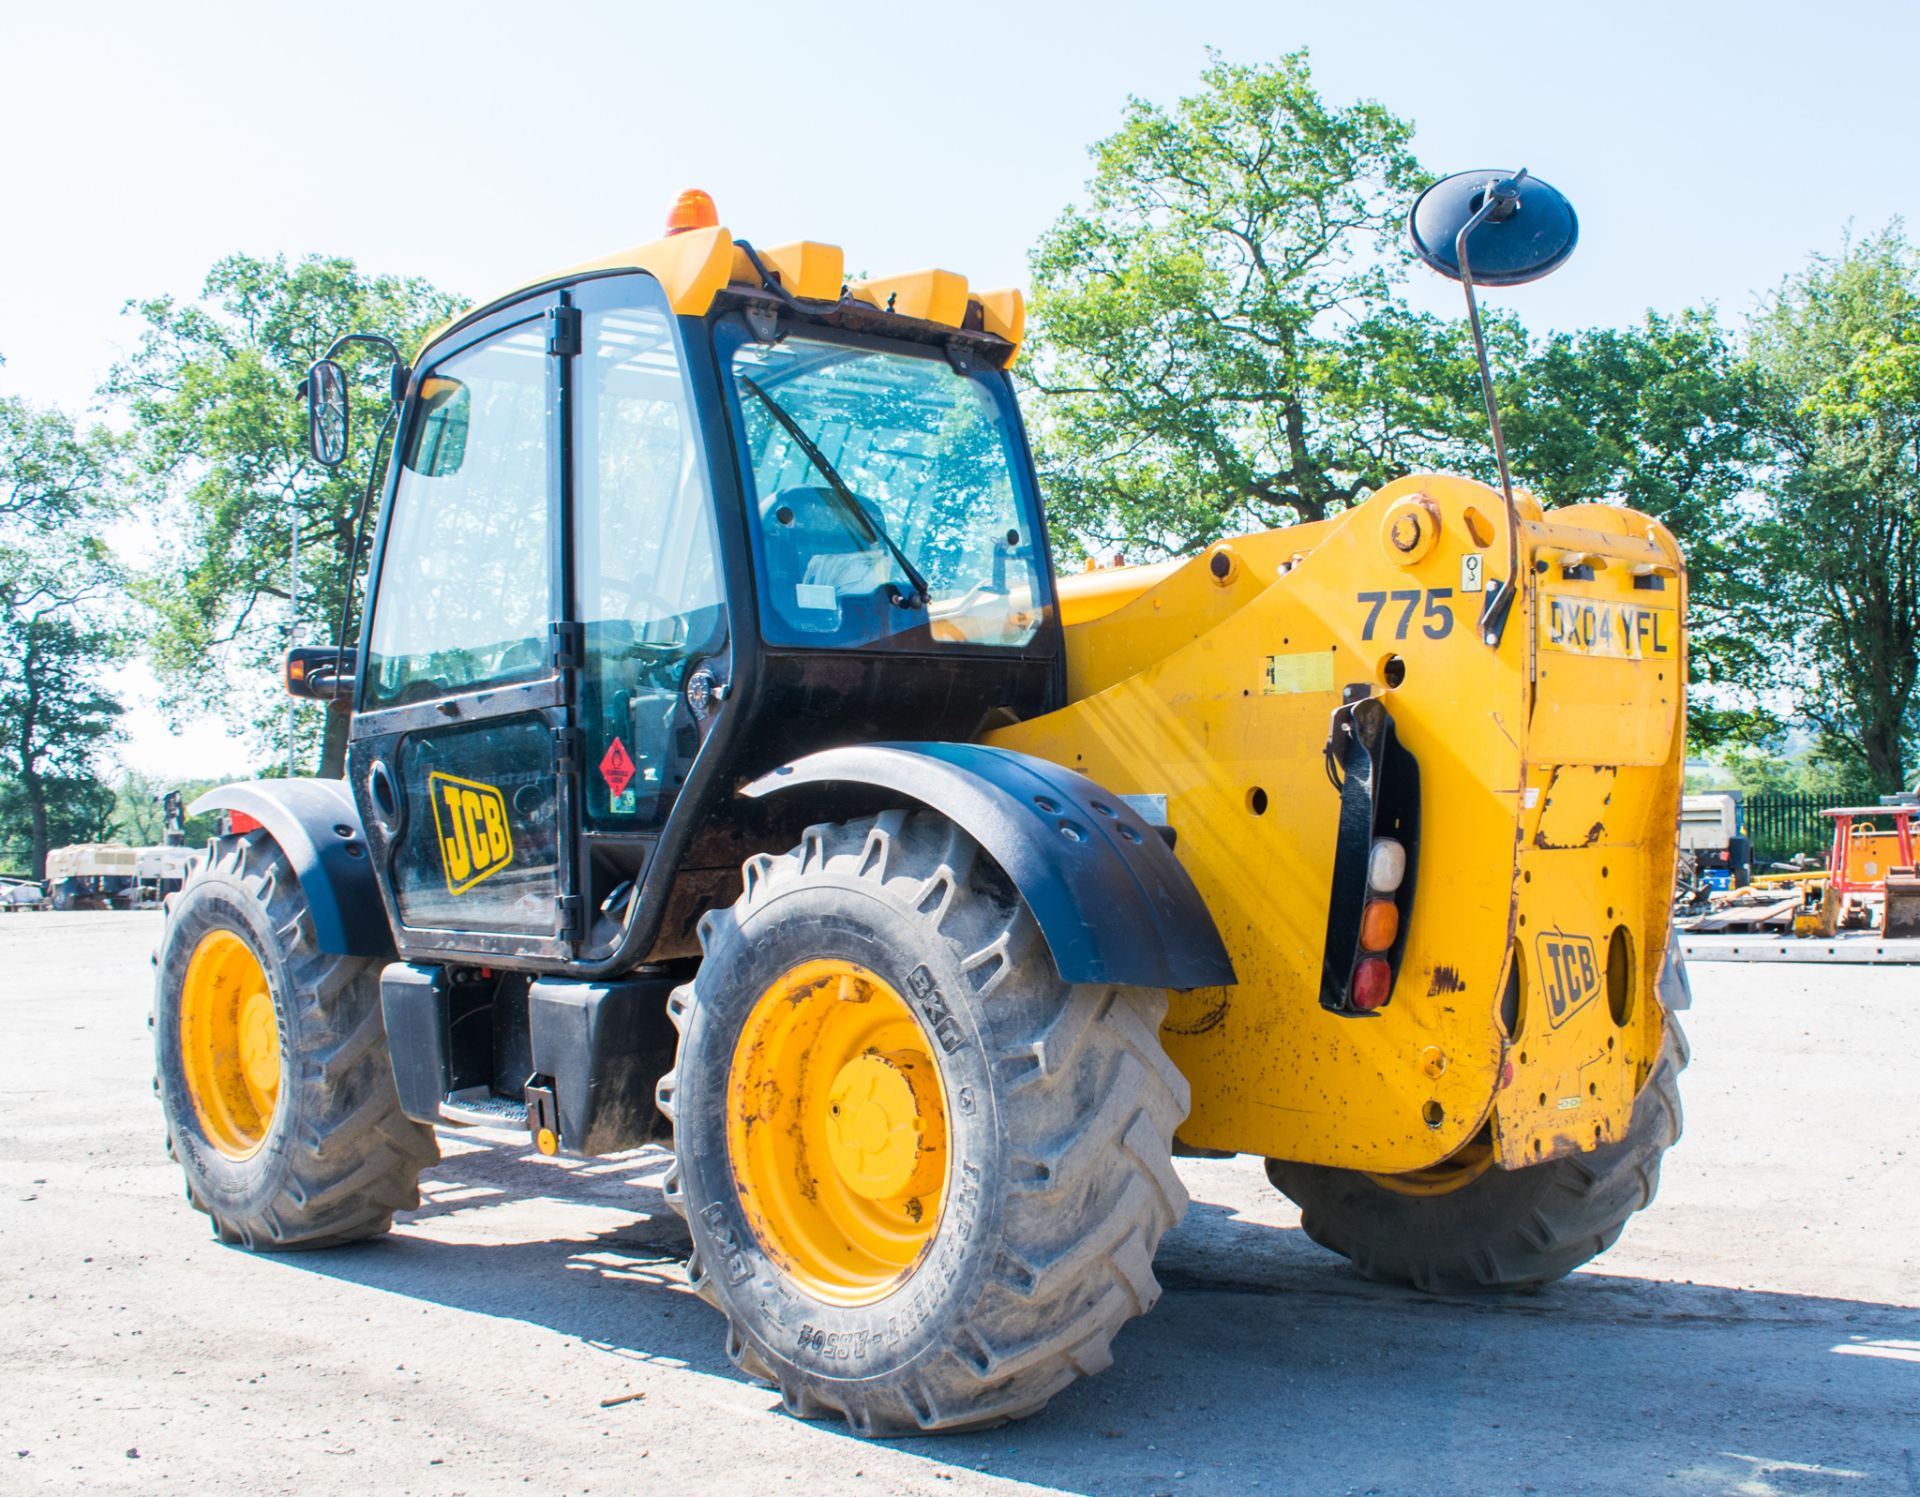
(529, 1328)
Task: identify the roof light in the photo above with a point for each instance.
(693, 209)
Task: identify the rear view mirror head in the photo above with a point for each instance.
(327, 413)
(1528, 235)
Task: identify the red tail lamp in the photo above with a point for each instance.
(693, 209)
(1372, 982)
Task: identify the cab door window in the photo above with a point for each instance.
(647, 573)
(464, 591)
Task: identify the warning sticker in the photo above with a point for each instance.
(1308, 671)
(616, 767)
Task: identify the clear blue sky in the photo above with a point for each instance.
(1708, 147)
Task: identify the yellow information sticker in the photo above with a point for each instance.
(1310, 670)
(1607, 627)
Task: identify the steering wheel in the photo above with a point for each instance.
(641, 598)
(965, 601)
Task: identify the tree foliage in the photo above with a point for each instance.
(138, 817)
(227, 477)
(1838, 546)
(76, 808)
(61, 624)
(1219, 345)
(1659, 417)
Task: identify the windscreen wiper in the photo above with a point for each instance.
(865, 526)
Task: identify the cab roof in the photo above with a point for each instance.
(696, 265)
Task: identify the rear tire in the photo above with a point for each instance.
(334, 1157)
(1058, 1110)
(1503, 1229)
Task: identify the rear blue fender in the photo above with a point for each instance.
(318, 828)
(1108, 894)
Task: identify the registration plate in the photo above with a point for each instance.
(1599, 626)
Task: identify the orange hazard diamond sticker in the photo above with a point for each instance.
(616, 767)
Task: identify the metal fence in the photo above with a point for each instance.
(1780, 824)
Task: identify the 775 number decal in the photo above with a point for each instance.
(1436, 617)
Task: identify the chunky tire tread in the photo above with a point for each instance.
(1509, 1229)
(1088, 1103)
(349, 1158)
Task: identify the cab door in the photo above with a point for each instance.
(646, 582)
(462, 716)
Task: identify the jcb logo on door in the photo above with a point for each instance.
(1569, 974)
(471, 820)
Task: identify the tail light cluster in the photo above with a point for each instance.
(1372, 981)
(1375, 855)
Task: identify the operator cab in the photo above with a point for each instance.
(657, 526)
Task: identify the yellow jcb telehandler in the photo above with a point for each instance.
(729, 767)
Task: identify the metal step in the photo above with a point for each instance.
(478, 1108)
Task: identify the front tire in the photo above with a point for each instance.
(272, 1064)
(978, 1245)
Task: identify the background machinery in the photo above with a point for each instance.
(1715, 851)
(103, 875)
(728, 766)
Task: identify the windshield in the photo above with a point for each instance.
(884, 486)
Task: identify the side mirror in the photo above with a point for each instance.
(1528, 234)
(320, 673)
(327, 413)
(1493, 228)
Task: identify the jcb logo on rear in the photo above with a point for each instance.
(1569, 974)
(471, 820)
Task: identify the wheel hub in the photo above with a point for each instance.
(837, 1130)
(879, 1111)
(1456, 1172)
(230, 1044)
(259, 1042)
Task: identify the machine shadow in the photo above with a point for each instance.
(1261, 1345)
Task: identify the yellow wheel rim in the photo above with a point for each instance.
(230, 1044)
(837, 1131)
(1453, 1173)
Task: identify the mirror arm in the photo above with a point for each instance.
(360, 526)
(1498, 600)
(376, 339)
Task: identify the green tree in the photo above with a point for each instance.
(60, 626)
(228, 478)
(1218, 342)
(138, 818)
(55, 715)
(1836, 552)
(76, 809)
(1660, 417)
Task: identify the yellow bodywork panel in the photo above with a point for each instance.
(1549, 787)
(1003, 313)
(691, 267)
